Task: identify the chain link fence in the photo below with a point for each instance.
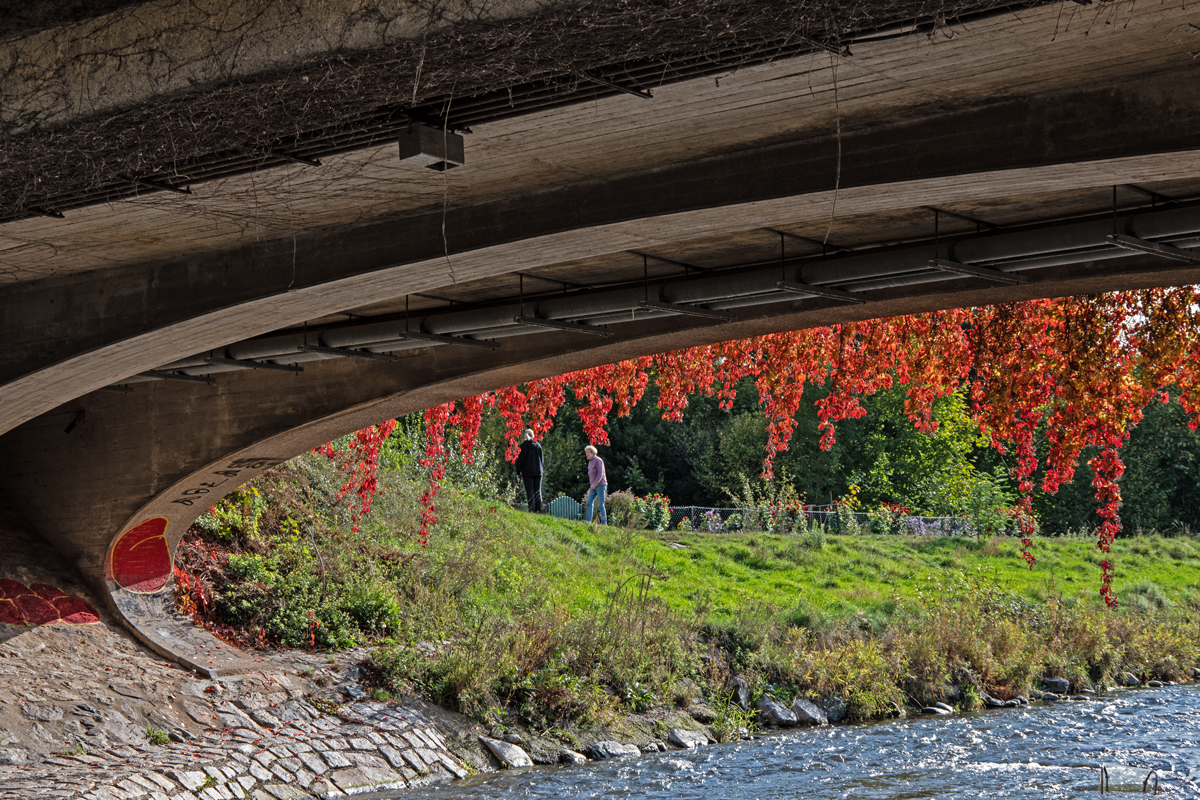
(826, 519)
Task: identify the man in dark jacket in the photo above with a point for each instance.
(529, 464)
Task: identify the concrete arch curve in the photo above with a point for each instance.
(112, 480)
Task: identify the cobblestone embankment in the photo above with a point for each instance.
(80, 707)
(87, 711)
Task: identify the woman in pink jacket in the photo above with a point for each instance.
(597, 483)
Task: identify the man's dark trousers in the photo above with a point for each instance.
(533, 490)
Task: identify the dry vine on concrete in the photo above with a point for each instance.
(556, 45)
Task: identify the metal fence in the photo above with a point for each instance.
(816, 518)
(825, 519)
(703, 517)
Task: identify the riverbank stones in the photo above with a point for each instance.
(941, 712)
(1154, 684)
(1128, 679)
(509, 755)
(772, 712)
(835, 707)
(740, 693)
(991, 702)
(601, 751)
(571, 757)
(685, 739)
(703, 714)
(1056, 685)
(1050, 697)
(945, 707)
(807, 713)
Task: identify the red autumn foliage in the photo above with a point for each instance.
(1079, 369)
(361, 465)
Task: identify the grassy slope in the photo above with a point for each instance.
(530, 623)
(842, 575)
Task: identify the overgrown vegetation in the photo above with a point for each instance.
(513, 617)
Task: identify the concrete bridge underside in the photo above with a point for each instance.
(1016, 128)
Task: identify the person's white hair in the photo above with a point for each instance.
(590, 449)
(528, 434)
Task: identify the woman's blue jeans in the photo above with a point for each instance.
(597, 493)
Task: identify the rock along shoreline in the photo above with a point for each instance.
(81, 709)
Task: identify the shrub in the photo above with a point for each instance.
(712, 521)
(730, 721)
(655, 511)
(373, 608)
(768, 506)
(237, 517)
(858, 670)
(623, 510)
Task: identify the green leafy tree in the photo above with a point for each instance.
(1162, 471)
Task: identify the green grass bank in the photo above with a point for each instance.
(530, 621)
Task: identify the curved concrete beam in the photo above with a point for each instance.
(113, 480)
(66, 337)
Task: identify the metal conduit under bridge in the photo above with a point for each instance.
(1000, 256)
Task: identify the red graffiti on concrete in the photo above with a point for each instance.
(41, 604)
(141, 559)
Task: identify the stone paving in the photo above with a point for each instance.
(268, 752)
(80, 706)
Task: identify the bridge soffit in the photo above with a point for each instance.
(70, 336)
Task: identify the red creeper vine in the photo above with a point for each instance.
(1077, 371)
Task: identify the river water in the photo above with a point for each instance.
(1046, 751)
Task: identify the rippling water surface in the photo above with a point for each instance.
(1043, 752)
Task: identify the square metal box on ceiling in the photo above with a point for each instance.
(431, 147)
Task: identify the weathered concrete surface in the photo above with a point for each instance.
(1045, 51)
(1003, 115)
(73, 335)
(149, 50)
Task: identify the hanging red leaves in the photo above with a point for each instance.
(360, 462)
(1076, 370)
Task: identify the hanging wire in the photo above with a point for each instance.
(937, 250)
(783, 257)
(1114, 209)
